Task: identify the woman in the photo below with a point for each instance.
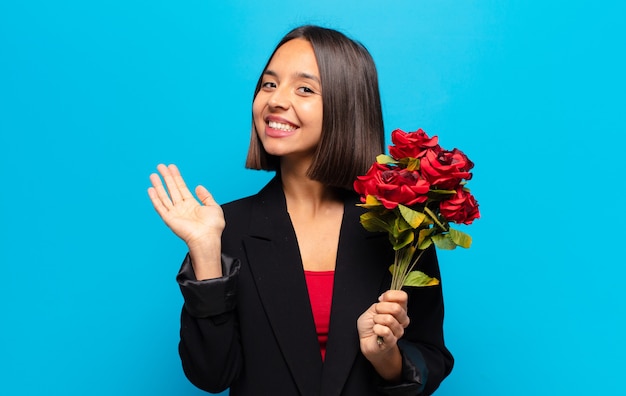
(284, 290)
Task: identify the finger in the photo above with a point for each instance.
(395, 296)
(391, 323)
(391, 308)
(384, 336)
(205, 196)
(156, 202)
(172, 187)
(160, 194)
(395, 310)
(180, 182)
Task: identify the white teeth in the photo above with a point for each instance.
(281, 126)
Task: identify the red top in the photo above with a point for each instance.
(320, 286)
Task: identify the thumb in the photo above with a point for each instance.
(204, 196)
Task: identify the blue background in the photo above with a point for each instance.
(93, 94)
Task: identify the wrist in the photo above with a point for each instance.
(205, 257)
(388, 364)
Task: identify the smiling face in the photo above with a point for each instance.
(287, 111)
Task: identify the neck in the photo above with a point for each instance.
(303, 193)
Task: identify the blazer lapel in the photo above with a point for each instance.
(360, 275)
(275, 262)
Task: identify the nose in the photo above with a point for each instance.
(279, 98)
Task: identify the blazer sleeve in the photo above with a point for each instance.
(209, 345)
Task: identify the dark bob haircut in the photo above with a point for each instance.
(352, 125)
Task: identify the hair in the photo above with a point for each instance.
(352, 124)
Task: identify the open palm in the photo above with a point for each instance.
(191, 219)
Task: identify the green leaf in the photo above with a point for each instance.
(412, 164)
(412, 217)
(443, 241)
(425, 244)
(460, 238)
(420, 279)
(400, 240)
(439, 195)
(374, 222)
(401, 224)
(424, 239)
(385, 159)
(443, 191)
(372, 203)
(402, 233)
(442, 224)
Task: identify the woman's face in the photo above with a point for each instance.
(287, 111)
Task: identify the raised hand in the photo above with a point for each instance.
(380, 328)
(198, 222)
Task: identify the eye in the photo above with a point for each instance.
(306, 90)
(268, 85)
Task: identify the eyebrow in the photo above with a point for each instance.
(298, 75)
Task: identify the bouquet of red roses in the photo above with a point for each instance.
(413, 194)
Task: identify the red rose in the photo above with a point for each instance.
(461, 208)
(412, 144)
(368, 184)
(392, 186)
(445, 169)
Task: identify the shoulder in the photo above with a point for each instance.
(238, 204)
(238, 213)
(246, 203)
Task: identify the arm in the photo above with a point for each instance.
(198, 224)
(209, 345)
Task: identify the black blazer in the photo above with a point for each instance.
(253, 329)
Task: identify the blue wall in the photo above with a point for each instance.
(93, 94)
